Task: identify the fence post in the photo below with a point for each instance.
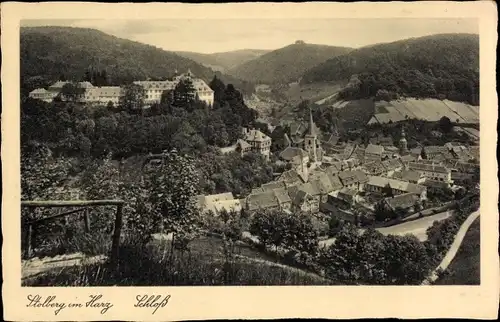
(86, 218)
(116, 236)
(29, 241)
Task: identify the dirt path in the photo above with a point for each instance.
(455, 246)
(35, 266)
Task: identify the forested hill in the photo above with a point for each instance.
(441, 66)
(224, 60)
(55, 52)
(286, 64)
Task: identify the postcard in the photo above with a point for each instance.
(249, 161)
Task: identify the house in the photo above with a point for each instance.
(262, 200)
(432, 171)
(302, 201)
(391, 166)
(218, 202)
(406, 201)
(284, 200)
(306, 195)
(378, 184)
(435, 185)
(291, 178)
(259, 142)
(409, 158)
(409, 176)
(274, 185)
(43, 95)
(327, 183)
(462, 171)
(243, 147)
(349, 196)
(374, 168)
(374, 152)
(353, 179)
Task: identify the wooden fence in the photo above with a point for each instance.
(83, 206)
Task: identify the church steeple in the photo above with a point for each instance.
(312, 127)
(311, 141)
(403, 144)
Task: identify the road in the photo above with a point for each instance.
(455, 246)
(416, 227)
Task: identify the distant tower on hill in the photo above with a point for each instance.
(403, 144)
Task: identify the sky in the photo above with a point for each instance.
(209, 36)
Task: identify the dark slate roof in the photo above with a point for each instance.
(404, 201)
(262, 200)
(273, 185)
(282, 195)
(291, 152)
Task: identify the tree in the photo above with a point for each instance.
(172, 186)
(445, 124)
(167, 97)
(381, 212)
(334, 226)
(72, 92)
(219, 88)
(229, 225)
(387, 191)
(41, 173)
(267, 225)
(406, 260)
(341, 259)
(423, 154)
(299, 233)
(184, 94)
(132, 98)
(399, 213)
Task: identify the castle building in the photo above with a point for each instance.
(153, 91)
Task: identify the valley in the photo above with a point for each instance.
(247, 167)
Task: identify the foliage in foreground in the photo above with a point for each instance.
(141, 266)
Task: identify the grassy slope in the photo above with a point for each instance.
(286, 64)
(203, 266)
(465, 267)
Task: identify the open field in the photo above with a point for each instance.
(425, 109)
(313, 92)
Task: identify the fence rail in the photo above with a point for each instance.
(83, 205)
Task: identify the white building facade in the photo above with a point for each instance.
(153, 91)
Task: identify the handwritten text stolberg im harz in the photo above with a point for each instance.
(96, 302)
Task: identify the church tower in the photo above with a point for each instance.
(311, 141)
(403, 144)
